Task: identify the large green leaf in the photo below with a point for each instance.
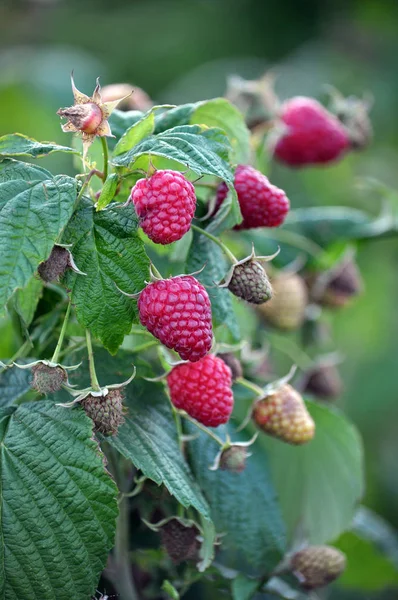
(205, 253)
(204, 151)
(107, 248)
(319, 483)
(222, 114)
(16, 144)
(25, 301)
(149, 439)
(34, 209)
(327, 224)
(14, 383)
(120, 121)
(180, 115)
(243, 506)
(368, 568)
(58, 504)
(137, 132)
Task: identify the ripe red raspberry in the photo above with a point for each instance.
(261, 203)
(203, 390)
(177, 311)
(313, 136)
(165, 204)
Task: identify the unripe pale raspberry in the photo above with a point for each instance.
(250, 282)
(105, 411)
(286, 309)
(233, 459)
(261, 203)
(317, 566)
(310, 134)
(203, 390)
(47, 380)
(180, 541)
(55, 266)
(165, 204)
(233, 363)
(283, 414)
(177, 311)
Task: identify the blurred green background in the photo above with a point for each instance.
(183, 50)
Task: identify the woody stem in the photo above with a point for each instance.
(93, 375)
(219, 243)
(106, 156)
(61, 335)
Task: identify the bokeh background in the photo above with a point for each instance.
(183, 50)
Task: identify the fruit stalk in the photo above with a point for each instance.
(93, 375)
(219, 243)
(61, 335)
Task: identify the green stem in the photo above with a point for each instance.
(106, 156)
(250, 386)
(120, 571)
(155, 271)
(19, 353)
(93, 375)
(61, 335)
(203, 428)
(142, 347)
(219, 243)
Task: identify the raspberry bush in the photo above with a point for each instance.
(150, 436)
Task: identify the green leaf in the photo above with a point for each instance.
(120, 121)
(222, 114)
(14, 383)
(327, 224)
(16, 144)
(254, 539)
(202, 151)
(149, 439)
(319, 483)
(204, 252)
(106, 246)
(135, 134)
(108, 191)
(34, 209)
(25, 301)
(367, 567)
(180, 115)
(244, 588)
(58, 504)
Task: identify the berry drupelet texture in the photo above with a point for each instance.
(177, 312)
(203, 390)
(310, 134)
(165, 204)
(249, 281)
(261, 203)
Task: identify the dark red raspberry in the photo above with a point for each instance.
(180, 540)
(261, 203)
(313, 136)
(177, 311)
(203, 390)
(165, 204)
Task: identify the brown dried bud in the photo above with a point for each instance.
(233, 459)
(180, 541)
(233, 363)
(324, 381)
(56, 264)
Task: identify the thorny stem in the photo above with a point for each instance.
(61, 335)
(93, 375)
(203, 428)
(250, 386)
(106, 156)
(219, 243)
